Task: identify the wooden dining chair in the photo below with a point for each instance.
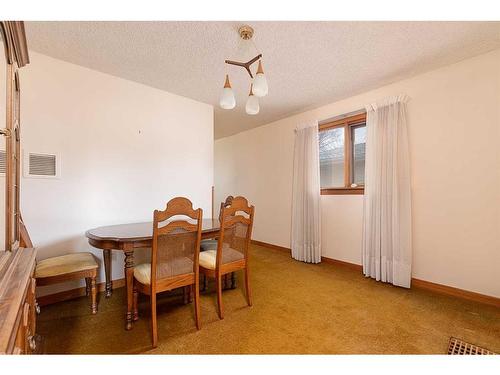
(236, 221)
(174, 258)
(211, 244)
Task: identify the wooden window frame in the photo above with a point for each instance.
(349, 124)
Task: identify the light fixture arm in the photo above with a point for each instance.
(245, 65)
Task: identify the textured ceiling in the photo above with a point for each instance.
(307, 64)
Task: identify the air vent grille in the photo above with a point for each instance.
(3, 162)
(42, 165)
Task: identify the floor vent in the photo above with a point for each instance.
(459, 347)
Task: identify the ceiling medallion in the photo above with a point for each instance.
(258, 84)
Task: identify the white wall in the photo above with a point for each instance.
(125, 149)
(454, 122)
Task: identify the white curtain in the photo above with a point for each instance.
(306, 224)
(387, 249)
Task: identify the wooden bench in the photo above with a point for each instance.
(70, 267)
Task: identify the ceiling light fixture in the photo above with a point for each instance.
(252, 107)
(258, 85)
(227, 100)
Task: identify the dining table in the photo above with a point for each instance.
(127, 238)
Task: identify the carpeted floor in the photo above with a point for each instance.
(298, 308)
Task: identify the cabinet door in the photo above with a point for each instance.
(4, 117)
(9, 142)
(15, 165)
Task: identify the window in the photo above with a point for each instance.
(342, 155)
(331, 156)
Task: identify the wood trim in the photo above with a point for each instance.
(430, 286)
(415, 283)
(9, 161)
(7, 41)
(348, 124)
(14, 289)
(17, 165)
(353, 266)
(350, 120)
(14, 40)
(347, 156)
(77, 275)
(19, 42)
(343, 191)
(271, 246)
(5, 259)
(213, 202)
(350, 164)
(455, 292)
(24, 237)
(75, 293)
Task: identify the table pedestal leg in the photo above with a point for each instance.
(107, 272)
(129, 280)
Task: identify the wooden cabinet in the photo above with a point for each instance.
(17, 256)
(18, 306)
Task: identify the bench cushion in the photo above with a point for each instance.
(65, 264)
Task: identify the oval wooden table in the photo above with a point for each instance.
(127, 238)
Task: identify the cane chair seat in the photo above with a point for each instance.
(208, 258)
(65, 264)
(179, 266)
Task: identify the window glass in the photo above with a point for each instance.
(358, 165)
(331, 157)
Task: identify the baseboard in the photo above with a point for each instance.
(455, 292)
(275, 247)
(354, 266)
(75, 293)
(415, 283)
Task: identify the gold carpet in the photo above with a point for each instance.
(298, 308)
